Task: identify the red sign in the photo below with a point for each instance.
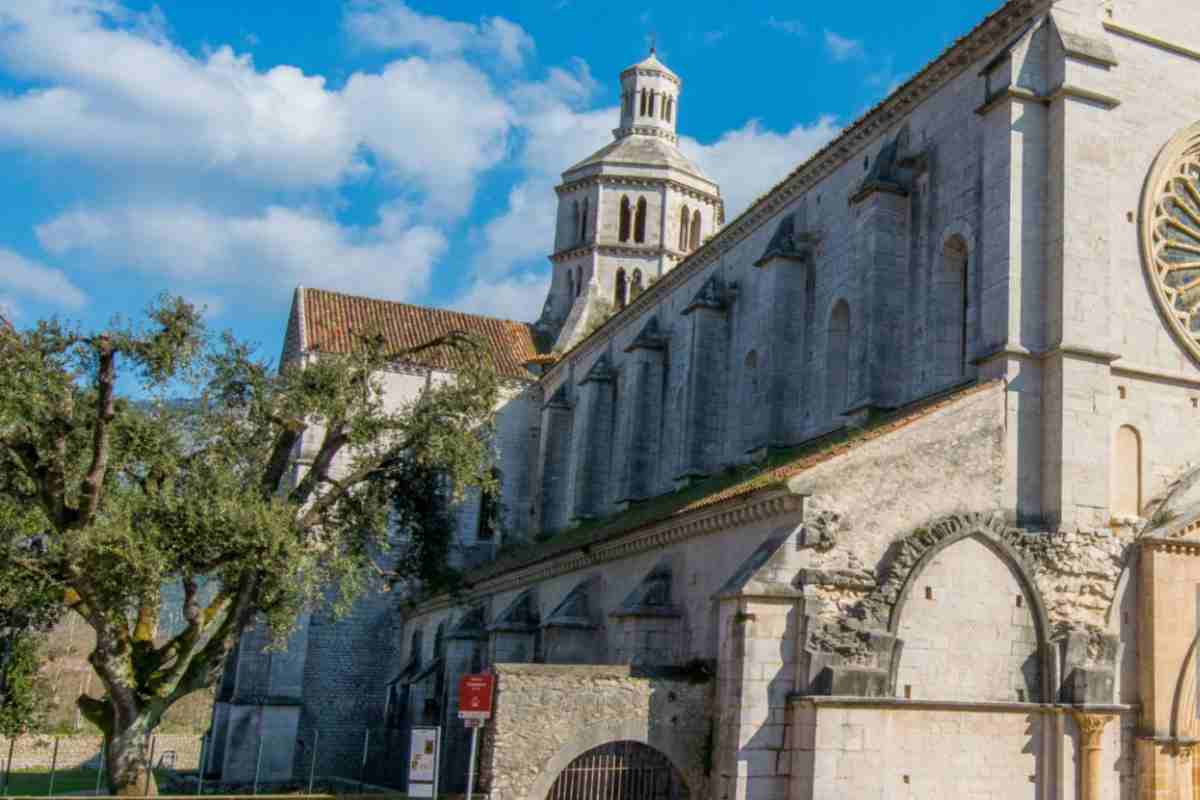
(475, 696)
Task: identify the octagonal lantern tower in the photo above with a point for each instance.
(629, 212)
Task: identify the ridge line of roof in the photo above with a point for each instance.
(719, 240)
(438, 309)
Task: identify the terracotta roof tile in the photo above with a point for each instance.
(331, 319)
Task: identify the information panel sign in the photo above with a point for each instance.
(423, 762)
(475, 696)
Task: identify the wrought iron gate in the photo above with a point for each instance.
(619, 771)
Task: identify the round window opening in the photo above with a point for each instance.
(1170, 234)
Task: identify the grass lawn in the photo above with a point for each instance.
(65, 781)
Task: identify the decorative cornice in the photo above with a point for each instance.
(993, 32)
(1185, 547)
(1153, 41)
(743, 511)
(986, 707)
(1066, 90)
(649, 72)
(610, 180)
(1079, 93)
(646, 130)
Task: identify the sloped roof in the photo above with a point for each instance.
(730, 486)
(651, 62)
(332, 319)
(637, 150)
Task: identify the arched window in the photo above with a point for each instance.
(643, 108)
(1127, 473)
(685, 215)
(749, 399)
(639, 222)
(668, 108)
(636, 287)
(653, 96)
(695, 229)
(415, 646)
(578, 281)
(950, 311)
(574, 235)
(570, 284)
(837, 358)
(489, 510)
(621, 291)
(583, 222)
(626, 218)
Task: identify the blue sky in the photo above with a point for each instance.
(228, 150)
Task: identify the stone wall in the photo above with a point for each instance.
(37, 752)
(548, 715)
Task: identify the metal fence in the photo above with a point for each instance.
(368, 762)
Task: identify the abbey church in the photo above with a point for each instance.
(887, 487)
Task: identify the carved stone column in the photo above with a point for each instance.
(1091, 728)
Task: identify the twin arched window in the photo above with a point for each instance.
(583, 222)
(685, 215)
(633, 221)
(695, 229)
(636, 287)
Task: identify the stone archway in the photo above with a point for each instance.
(595, 737)
(620, 770)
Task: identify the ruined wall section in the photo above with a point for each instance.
(547, 715)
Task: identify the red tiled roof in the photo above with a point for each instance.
(331, 320)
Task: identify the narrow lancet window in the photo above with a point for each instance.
(639, 223)
(626, 214)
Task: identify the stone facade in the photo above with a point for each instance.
(901, 459)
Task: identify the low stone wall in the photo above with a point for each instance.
(37, 752)
(547, 715)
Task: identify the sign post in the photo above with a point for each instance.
(423, 762)
(474, 709)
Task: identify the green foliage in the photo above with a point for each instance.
(104, 501)
(22, 690)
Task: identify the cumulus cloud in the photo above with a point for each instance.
(748, 161)
(556, 132)
(518, 297)
(22, 278)
(257, 256)
(842, 48)
(110, 87)
(439, 126)
(394, 25)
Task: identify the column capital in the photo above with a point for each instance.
(1091, 726)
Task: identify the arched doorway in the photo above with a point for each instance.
(623, 770)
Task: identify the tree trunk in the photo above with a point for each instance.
(127, 761)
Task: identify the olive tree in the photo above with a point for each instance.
(132, 496)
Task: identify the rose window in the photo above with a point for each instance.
(1171, 236)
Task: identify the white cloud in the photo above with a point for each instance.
(792, 27)
(750, 160)
(112, 88)
(20, 277)
(256, 256)
(394, 25)
(440, 126)
(842, 48)
(555, 135)
(518, 297)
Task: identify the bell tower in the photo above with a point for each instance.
(628, 213)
